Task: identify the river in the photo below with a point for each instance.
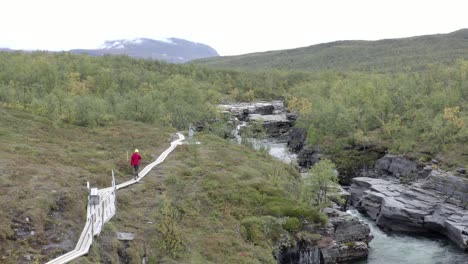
(389, 248)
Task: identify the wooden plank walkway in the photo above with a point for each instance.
(101, 208)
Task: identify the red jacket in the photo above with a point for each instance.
(135, 160)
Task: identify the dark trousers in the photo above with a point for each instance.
(136, 167)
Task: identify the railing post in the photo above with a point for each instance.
(191, 131)
(91, 211)
(114, 193)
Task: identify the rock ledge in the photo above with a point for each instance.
(435, 204)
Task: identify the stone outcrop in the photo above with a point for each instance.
(461, 171)
(346, 238)
(435, 204)
(261, 108)
(273, 116)
(396, 165)
(274, 125)
(396, 168)
(308, 156)
(303, 252)
(296, 139)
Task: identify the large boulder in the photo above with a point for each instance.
(308, 156)
(346, 238)
(435, 204)
(398, 167)
(296, 139)
(266, 109)
(344, 252)
(276, 129)
(274, 125)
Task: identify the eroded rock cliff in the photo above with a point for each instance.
(436, 204)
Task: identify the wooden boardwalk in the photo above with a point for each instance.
(101, 208)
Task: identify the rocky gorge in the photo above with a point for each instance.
(345, 238)
(400, 195)
(436, 203)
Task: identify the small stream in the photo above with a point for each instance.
(276, 148)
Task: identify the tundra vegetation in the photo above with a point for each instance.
(67, 119)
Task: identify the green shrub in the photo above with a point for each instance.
(261, 230)
(292, 224)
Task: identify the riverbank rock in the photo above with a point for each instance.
(274, 125)
(435, 204)
(260, 107)
(308, 156)
(461, 171)
(273, 116)
(303, 252)
(296, 139)
(397, 168)
(346, 238)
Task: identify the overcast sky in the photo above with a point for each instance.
(231, 27)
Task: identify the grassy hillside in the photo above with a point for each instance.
(388, 55)
(209, 203)
(44, 173)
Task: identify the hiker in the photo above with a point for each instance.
(135, 162)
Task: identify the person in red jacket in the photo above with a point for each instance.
(135, 162)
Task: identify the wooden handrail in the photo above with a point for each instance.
(99, 214)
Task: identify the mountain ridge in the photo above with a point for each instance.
(413, 53)
(173, 50)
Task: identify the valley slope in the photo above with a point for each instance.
(387, 55)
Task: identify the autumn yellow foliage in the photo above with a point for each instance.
(452, 114)
(300, 105)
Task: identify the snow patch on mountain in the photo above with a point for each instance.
(174, 50)
(120, 44)
(136, 41)
(167, 40)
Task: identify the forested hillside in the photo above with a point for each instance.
(422, 112)
(90, 91)
(388, 55)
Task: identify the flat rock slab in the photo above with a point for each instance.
(437, 203)
(125, 236)
(269, 118)
(252, 107)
